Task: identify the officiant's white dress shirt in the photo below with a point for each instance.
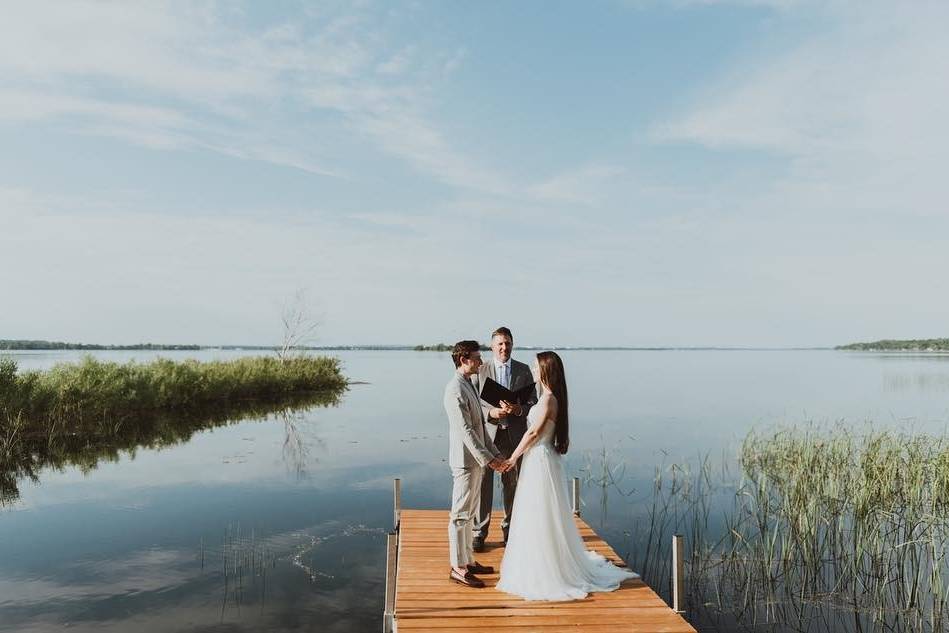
(503, 373)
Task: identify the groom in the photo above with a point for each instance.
(470, 450)
(506, 426)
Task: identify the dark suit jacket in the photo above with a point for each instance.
(520, 377)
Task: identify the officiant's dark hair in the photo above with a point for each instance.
(552, 375)
(463, 349)
(502, 331)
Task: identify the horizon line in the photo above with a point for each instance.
(63, 346)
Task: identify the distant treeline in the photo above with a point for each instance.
(911, 345)
(441, 347)
(24, 344)
(7, 344)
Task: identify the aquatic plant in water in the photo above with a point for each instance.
(823, 529)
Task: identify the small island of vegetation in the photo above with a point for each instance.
(893, 345)
(78, 413)
(94, 389)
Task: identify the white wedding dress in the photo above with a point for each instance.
(545, 558)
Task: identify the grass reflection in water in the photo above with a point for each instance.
(27, 446)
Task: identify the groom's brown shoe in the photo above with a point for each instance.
(478, 568)
(468, 580)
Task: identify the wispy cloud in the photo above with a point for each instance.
(584, 185)
(681, 4)
(201, 77)
(855, 109)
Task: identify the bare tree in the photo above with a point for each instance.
(299, 324)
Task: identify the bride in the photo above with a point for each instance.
(545, 558)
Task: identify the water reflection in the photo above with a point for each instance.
(298, 443)
(925, 382)
(113, 538)
(286, 559)
(925, 357)
(26, 448)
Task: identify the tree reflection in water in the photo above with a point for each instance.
(297, 443)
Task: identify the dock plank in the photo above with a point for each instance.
(427, 601)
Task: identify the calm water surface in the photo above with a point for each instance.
(297, 507)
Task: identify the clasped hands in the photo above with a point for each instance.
(500, 464)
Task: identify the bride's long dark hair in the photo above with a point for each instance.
(552, 375)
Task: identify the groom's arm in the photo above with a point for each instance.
(478, 383)
(489, 444)
(458, 417)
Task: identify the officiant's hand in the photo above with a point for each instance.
(497, 412)
(511, 408)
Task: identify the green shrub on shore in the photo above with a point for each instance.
(96, 389)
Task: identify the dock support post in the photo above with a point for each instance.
(397, 503)
(388, 615)
(678, 575)
(576, 496)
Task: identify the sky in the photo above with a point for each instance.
(618, 172)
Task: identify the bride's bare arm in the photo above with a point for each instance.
(547, 412)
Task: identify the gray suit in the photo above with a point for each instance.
(470, 450)
(506, 434)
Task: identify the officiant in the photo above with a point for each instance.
(506, 425)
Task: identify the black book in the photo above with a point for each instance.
(493, 393)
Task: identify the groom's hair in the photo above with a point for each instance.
(463, 349)
(503, 331)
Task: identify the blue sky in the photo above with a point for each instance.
(620, 172)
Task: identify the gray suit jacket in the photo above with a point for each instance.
(468, 444)
(520, 377)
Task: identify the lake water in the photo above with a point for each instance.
(299, 506)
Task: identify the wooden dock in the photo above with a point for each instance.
(423, 599)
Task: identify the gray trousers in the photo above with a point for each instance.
(503, 440)
(465, 490)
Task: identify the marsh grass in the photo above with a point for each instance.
(96, 390)
(860, 519)
(821, 529)
(245, 563)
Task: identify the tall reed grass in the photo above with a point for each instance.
(838, 515)
(822, 529)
